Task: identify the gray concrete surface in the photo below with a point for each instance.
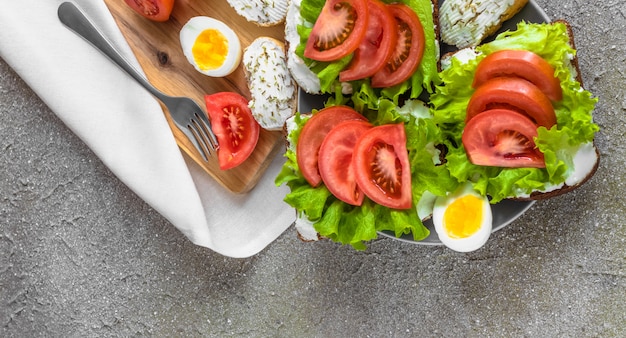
(81, 255)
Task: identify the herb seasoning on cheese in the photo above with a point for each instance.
(262, 12)
(465, 23)
(273, 92)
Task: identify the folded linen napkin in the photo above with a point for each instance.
(125, 127)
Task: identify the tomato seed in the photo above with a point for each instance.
(148, 7)
(404, 46)
(337, 38)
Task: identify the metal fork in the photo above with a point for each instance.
(186, 113)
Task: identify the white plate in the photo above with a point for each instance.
(504, 212)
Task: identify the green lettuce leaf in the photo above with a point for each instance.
(574, 114)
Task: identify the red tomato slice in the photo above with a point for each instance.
(335, 160)
(512, 93)
(312, 135)
(523, 64)
(338, 30)
(377, 45)
(235, 128)
(502, 138)
(381, 166)
(409, 48)
(155, 10)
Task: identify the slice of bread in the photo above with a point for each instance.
(272, 89)
(264, 13)
(466, 23)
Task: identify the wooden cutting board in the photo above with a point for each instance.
(157, 48)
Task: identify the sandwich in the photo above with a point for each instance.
(356, 47)
(559, 155)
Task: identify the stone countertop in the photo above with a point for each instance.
(81, 255)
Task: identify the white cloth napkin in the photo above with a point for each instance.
(125, 127)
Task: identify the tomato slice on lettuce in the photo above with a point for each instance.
(235, 128)
(502, 138)
(409, 50)
(512, 93)
(381, 166)
(338, 30)
(377, 45)
(155, 10)
(335, 160)
(523, 64)
(313, 134)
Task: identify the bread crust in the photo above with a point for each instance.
(435, 4)
(540, 195)
(509, 13)
(572, 43)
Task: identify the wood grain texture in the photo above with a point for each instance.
(157, 48)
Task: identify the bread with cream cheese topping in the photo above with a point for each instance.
(466, 23)
(272, 89)
(264, 13)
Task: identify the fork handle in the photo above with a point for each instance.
(72, 17)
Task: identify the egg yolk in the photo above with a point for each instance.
(210, 49)
(463, 217)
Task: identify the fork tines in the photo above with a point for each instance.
(203, 135)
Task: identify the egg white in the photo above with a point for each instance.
(472, 242)
(190, 32)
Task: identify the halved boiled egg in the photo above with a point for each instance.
(210, 46)
(463, 219)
